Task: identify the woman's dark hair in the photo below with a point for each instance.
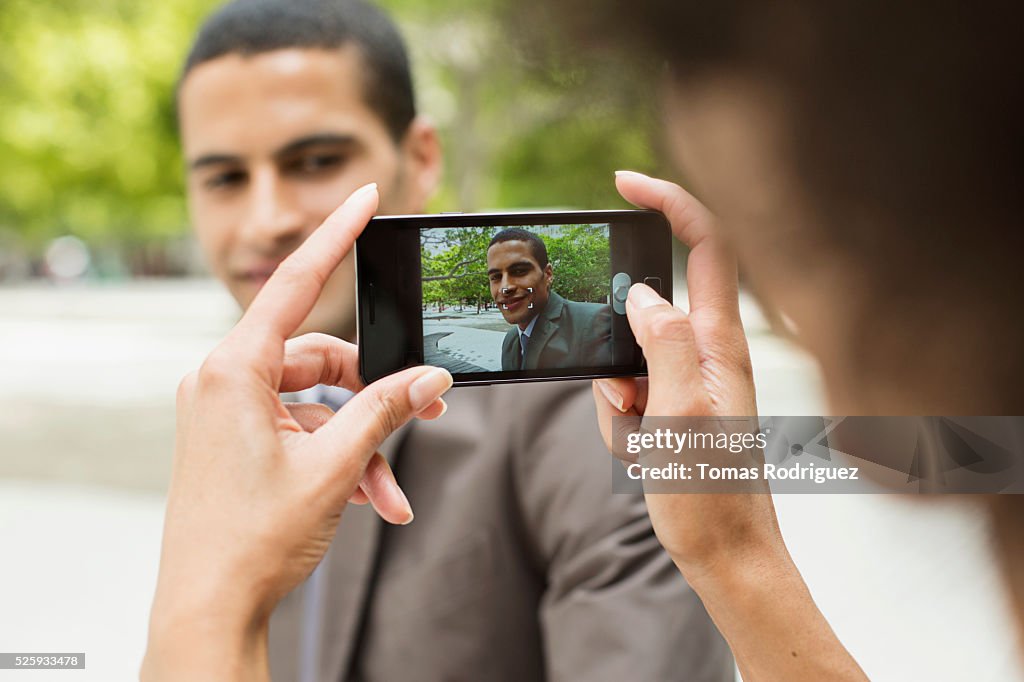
(908, 109)
(903, 130)
(905, 133)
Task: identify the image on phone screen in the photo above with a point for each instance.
(507, 297)
(516, 298)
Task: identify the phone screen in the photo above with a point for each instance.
(509, 297)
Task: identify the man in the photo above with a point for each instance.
(520, 564)
(548, 331)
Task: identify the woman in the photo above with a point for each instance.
(862, 161)
(857, 155)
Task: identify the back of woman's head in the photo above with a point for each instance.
(903, 133)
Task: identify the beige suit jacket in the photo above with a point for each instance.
(520, 565)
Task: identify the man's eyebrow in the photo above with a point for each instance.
(214, 160)
(335, 139)
(518, 263)
(292, 147)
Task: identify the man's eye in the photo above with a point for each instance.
(316, 163)
(225, 180)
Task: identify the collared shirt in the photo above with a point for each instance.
(313, 593)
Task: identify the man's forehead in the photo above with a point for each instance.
(512, 250)
(255, 103)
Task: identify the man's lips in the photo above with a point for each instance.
(258, 273)
(513, 304)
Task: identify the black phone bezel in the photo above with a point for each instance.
(384, 251)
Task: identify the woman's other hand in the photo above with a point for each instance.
(727, 545)
(258, 487)
(698, 365)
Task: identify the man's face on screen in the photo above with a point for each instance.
(519, 285)
(273, 144)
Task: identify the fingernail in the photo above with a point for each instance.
(611, 394)
(428, 388)
(365, 188)
(629, 172)
(411, 516)
(444, 408)
(398, 498)
(642, 296)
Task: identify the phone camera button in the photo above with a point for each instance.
(620, 290)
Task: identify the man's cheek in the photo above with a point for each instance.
(218, 257)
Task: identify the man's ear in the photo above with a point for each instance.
(549, 274)
(424, 162)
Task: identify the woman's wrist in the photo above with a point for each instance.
(737, 569)
(761, 605)
(206, 647)
(221, 636)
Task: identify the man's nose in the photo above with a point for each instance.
(273, 216)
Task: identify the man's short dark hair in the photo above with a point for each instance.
(518, 234)
(251, 27)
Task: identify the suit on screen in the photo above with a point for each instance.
(567, 334)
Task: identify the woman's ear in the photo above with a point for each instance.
(424, 161)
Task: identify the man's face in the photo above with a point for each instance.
(273, 144)
(513, 271)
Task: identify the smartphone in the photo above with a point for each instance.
(507, 297)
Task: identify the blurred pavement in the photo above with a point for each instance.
(89, 375)
(86, 429)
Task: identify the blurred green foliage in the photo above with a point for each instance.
(88, 142)
(87, 133)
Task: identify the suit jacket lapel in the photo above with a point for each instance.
(510, 350)
(351, 558)
(542, 331)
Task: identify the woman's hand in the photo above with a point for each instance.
(728, 546)
(258, 486)
(698, 365)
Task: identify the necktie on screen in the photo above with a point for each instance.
(523, 340)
